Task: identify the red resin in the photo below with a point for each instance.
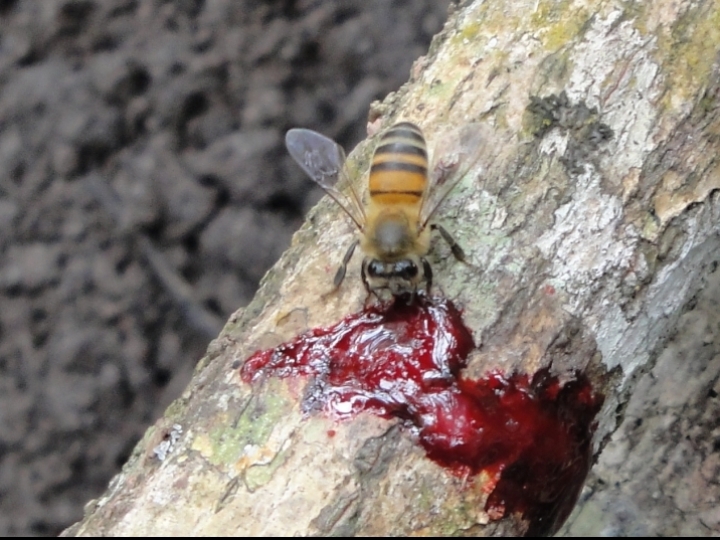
(530, 434)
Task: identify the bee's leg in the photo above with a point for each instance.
(411, 295)
(457, 251)
(340, 274)
(428, 274)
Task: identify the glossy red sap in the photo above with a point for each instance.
(530, 434)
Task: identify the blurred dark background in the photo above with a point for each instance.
(144, 191)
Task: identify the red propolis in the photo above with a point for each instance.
(530, 433)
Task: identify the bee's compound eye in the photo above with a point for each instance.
(376, 269)
(406, 269)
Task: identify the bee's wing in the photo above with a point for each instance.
(324, 162)
(453, 156)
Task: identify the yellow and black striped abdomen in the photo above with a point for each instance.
(398, 174)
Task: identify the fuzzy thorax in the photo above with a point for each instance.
(392, 234)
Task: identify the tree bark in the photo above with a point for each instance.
(658, 474)
(590, 220)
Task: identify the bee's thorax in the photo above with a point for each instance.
(392, 236)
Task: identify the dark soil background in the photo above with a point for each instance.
(144, 191)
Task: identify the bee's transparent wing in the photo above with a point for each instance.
(323, 160)
(453, 156)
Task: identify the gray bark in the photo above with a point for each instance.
(591, 222)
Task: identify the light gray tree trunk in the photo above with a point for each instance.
(591, 222)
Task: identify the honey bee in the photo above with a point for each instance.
(402, 197)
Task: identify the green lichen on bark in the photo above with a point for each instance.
(688, 50)
(252, 427)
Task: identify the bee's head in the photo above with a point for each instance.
(400, 278)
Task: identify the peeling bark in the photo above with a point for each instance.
(589, 222)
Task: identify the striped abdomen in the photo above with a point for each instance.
(398, 174)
